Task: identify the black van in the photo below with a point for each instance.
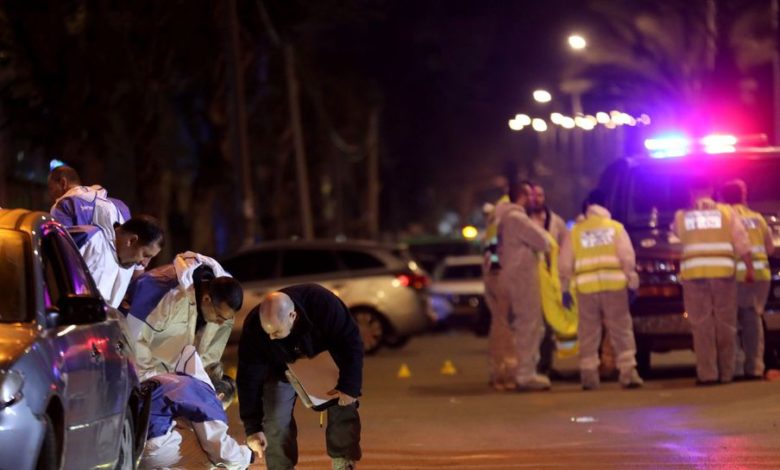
(644, 193)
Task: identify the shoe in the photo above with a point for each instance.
(589, 379)
(537, 383)
(341, 463)
(706, 383)
(630, 379)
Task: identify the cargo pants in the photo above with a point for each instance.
(501, 352)
(608, 308)
(751, 301)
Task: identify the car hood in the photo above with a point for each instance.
(655, 243)
(14, 340)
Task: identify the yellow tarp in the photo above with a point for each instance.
(562, 320)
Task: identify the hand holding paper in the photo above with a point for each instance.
(344, 399)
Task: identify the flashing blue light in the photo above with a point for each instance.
(668, 146)
(54, 163)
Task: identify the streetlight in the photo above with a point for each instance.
(539, 125)
(577, 42)
(542, 96)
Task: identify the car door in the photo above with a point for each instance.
(78, 362)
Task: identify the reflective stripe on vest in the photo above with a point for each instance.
(755, 225)
(596, 264)
(707, 248)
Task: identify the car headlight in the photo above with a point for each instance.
(11, 383)
(656, 266)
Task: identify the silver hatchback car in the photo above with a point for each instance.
(69, 394)
(384, 289)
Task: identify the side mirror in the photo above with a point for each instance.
(80, 310)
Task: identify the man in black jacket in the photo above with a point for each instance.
(295, 322)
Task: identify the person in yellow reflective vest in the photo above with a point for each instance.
(501, 355)
(598, 263)
(711, 235)
(751, 296)
(553, 224)
(519, 243)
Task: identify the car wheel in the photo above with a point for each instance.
(394, 341)
(372, 329)
(47, 457)
(125, 461)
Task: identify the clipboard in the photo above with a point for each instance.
(312, 378)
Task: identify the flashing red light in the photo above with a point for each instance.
(676, 145)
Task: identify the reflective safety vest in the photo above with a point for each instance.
(756, 227)
(596, 264)
(707, 249)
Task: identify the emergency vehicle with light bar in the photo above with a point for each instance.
(645, 191)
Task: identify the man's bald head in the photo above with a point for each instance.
(61, 179)
(277, 315)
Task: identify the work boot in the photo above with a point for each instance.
(630, 378)
(340, 463)
(589, 379)
(537, 383)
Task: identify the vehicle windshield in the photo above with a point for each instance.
(13, 288)
(657, 191)
(461, 272)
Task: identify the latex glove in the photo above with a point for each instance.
(257, 443)
(344, 399)
(567, 300)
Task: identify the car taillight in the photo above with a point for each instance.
(415, 281)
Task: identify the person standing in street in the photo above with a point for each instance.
(293, 323)
(553, 224)
(113, 254)
(190, 302)
(502, 359)
(712, 236)
(598, 263)
(751, 296)
(75, 204)
(520, 242)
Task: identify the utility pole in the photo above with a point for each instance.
(300, 149)
(238, 127)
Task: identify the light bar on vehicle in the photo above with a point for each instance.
(676, 145)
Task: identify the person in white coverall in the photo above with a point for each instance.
(751, 296)
(189, 396)
(712, 236)
(112, 255)
(190, 302)
(598, 262)
(74, 204)
(520, 242)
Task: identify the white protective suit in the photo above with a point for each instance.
(520, 241)
(188, 397)
(99, 253)
(163, 316)
(90, 205)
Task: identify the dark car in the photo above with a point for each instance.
(69, 393)
(645, 192)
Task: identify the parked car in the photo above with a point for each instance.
(457, 293)
(645, 191)
(384, 289)
(69, 395)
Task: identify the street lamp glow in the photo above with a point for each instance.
(542, 96)
(577, 42)
(469, 232)
(539, 125)
(556, 118)
(523, 119)
(515, 125)
(567, 122)
(602, 117)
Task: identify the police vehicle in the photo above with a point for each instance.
(644, 192)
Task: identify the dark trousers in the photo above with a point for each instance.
(342, 436)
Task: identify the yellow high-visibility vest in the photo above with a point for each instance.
(596, 264)
(756, 227)
(708, 251)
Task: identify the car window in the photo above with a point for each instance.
(71, 274)
(253, 266)
(462, 272)
(360, 260)
(13, 281)
(305, 262)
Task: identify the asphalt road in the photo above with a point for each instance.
(431, 421)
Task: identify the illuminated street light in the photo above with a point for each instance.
(515, 125)
(577, 42)
(523, 119)
(602, 117)
(542, 96)
(556, 118)
(469, 232)
(539, 125)
(567, 122)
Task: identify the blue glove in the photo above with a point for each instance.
(567, 300)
